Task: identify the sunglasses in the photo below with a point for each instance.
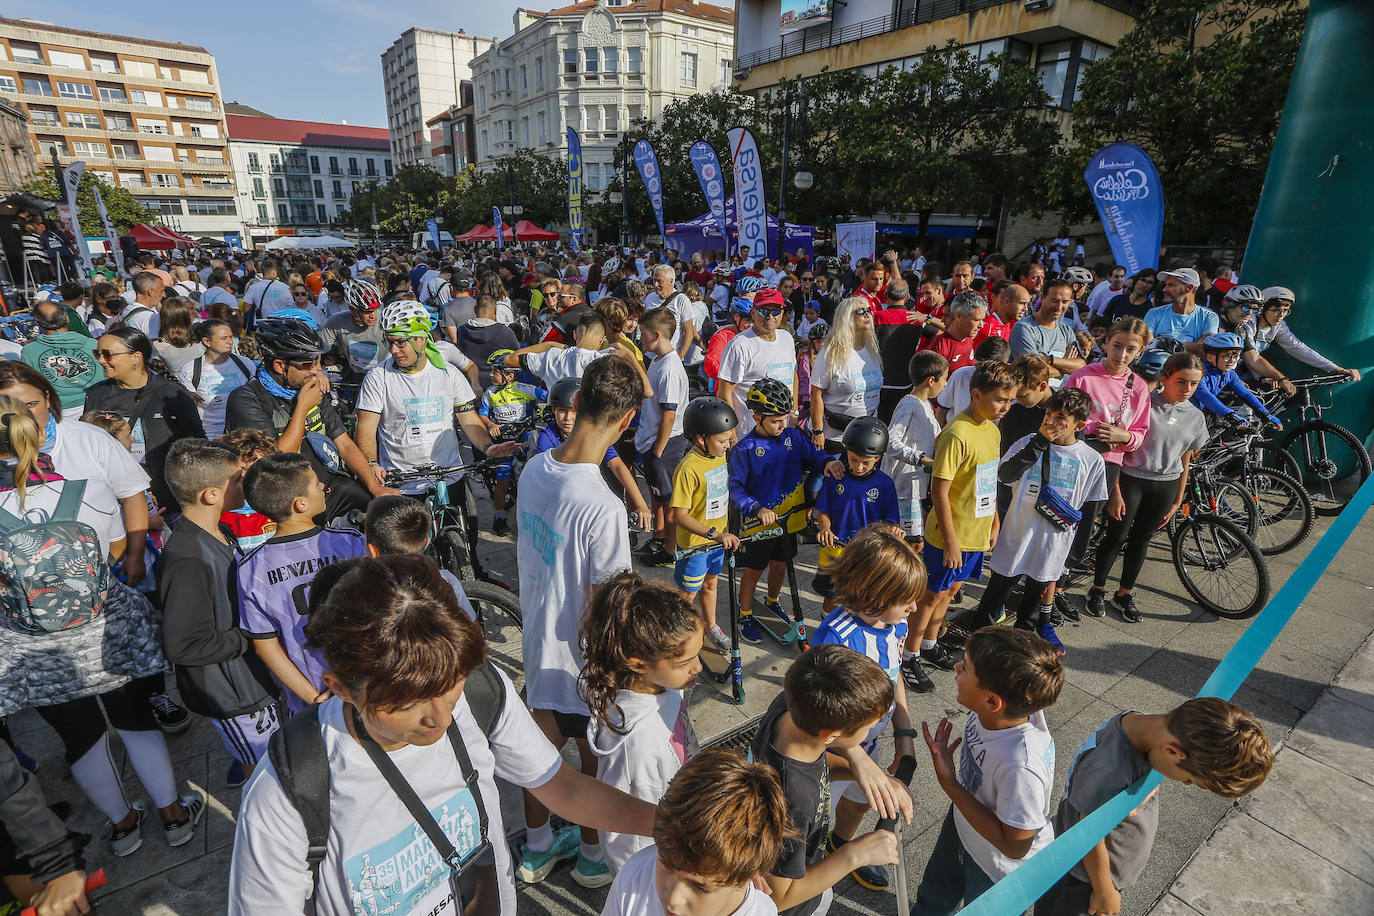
(768, 313)
(111, 354)
(808, 279)
(1248, 307)
(863, 311)
(301, 295)
(303, 363)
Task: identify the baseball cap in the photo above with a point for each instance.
(1183, 275)
(768, 298)
(1278, 292)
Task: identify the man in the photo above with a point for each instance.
(438, 286)
(1032, 278)
(572, 304)
(1208, 293)
(960, 278)
(459, 310)
(995, 268)
(64, 357)
(352, 338)
(1105, 291)
(269, 294)
(696, 271)
(873, 279)
(74, 302)
(186, 284)
(1080, 278)
(1236, 315)
(896, 343)
(739, 317)
(1134, 300)
(1047, 332)
(1181, 317)
(1008, 307)
(482, 335)
(220, 289)
(761, 351)
(142, 312)
(667, 295)
(742, 263)
(965, 315)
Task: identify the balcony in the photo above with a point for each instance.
(335, 170)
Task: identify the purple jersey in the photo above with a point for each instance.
(272, 585)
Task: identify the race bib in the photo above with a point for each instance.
(424, 419)
(783, 372)
(717, 491)
(137, 447)
(985, 490)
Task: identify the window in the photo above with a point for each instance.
(67, 59)
(159, 153)
(28, 54)
(334, 166)
(124, 150)
(687, 69)
(199, 77)
(485, 153)
(357, 187)
(338, 189)
(111, 94)
(208, 131)
(506, 74)
(165, 180)
(7, 84)
(634, 112)
(118, 122)
(322, 212)
(372, 168)
(353, 166)
(689, 30)
(612, 58)
(539, 122)
(593, 119)
(43, 117)
(275, 161)
(262, 213)
(278, 187)
(634, 60)
(81, 120)
(572, 117)
(258, 189)
(481, 101)
(1091, 51)
(89, 150)
(284, 213)
(612, 118)
(196, 103)
(37, 86)
(319, 188)
(140, 68)
(167, 206)
(48, 144)
(593, 175)
(510, 131)
(539, 73)
(254, 163)
(592, 59)
(387, 164)
(1052, 63)
(104, 64)
(524, 81)
(210, 157)
(151, 127)
(727, 71)
(209, 207)
(145, 97)
(132, 180)
(569, 61)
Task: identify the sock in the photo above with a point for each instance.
(592, 852)
(150, 760)
(539, 839)
(499, 515)
(1045, 610)
(95, 773)
(927, 644)
(907, 655)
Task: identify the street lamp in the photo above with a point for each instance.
(625, 185)
(616, 197)
(802, 181)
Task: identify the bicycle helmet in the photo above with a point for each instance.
(497, 359)
(1222, 341)
(748, 284)
(741, 305)
(1277, 292)
(1243, 293)
(769, 397)
(866, 436)
(299, 315)
(362, 294)
(1168, 345)
(708, 416)
(406, 316)
(564, 391)
(818, 330)
(286, 338)
(1078, 275)
(611, 265)
(1151, 364)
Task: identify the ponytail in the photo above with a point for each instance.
(20, 439)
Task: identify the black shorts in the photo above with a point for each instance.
(658, 471)
(759, 554)
(821, 586)
(571, 724)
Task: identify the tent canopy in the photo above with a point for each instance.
(155, 238)
(703, 234)
(287, 242)
(472, 234)
(527, 231)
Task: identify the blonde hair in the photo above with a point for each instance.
(845, 338)
(877, 571)
(20, 438)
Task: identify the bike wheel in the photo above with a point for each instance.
(498, 612)
(1332, 463)
(1236, 503)
(452, 553)
(1220, 566)
(1286, 514)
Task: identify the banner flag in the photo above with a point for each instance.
(575, 189)
(749, 202)
(500, 229)
(856, 240)
(712, 184)
(646, 161)
(71, 180)
(109, 230)
(1125, 185)
(433, 226)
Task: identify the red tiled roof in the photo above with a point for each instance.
(310, 133)
(681, 7)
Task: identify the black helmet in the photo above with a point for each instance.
(866, 436)
(564, 391)
(769, 397)
(708, 416)
(1168, 345)
(286, 338)
(1150, 364)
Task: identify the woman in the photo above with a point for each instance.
(158, 409)
(847, 376)
(175, 344)
(1135, 300)
(212, 377)
(304, 300)
(492, 286)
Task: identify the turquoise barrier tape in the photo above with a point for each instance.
(1019, 890)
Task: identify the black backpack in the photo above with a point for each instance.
(199, 364)
(297, 754)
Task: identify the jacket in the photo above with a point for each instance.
(39, 837)
(167, 413)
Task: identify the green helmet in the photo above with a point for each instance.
(497, 360)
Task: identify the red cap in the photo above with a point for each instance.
(768, 297)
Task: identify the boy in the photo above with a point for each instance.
(552, 361)
(506, 401)
(721, 822)
(1206, 742)
(274, 577)
(572, 534)
(953, 399)
(1000, 798)
(249, 526)
(962, 524)
(700, 506)
(659, 440)
(911, 441)
(847, 504)
(401, 526)
(811, 313)
(218, 674)
(832, 697)
(1222, 352)
(768, 469)
(1024, 417)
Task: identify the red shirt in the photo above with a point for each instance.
(993, 327)
(716, 349)
(958, 352)
(877, 300)
(699, 277)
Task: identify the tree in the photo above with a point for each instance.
(124, 209)
(1199, 85)
(403, 203)
(539, 184)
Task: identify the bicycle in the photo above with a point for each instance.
(1331, 461)
(512, 432)
(1284, 510)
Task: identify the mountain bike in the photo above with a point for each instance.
(1217, 561)
(1332, 461)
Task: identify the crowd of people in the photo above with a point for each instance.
(185, 454)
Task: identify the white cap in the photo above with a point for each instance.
(1278, 292)
(1183, 275)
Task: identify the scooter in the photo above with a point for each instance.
(906, 768)
(785, 635)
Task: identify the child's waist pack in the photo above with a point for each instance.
(1052, 507)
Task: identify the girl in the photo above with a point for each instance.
(640, 641)
(1152, 483)
(176, 345)
(808, 347)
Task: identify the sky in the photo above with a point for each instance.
(315, 60)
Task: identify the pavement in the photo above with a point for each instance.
(1313, 819)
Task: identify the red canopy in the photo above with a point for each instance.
(527, 231)
(156, 238)
(472, 234)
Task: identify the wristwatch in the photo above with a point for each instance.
(375, 464)
(711, 533)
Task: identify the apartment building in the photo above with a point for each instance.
(143, 114)
(596, 66)
(299, 177)
(422, 74)
(452, 143)
(17, 160)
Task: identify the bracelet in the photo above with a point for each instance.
(904, 733)
(375, 464)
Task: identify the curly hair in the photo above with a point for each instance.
(846, 337)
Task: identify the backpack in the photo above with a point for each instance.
(433, 300)
(53, 574)
(298, 755)
(199, 364)
(192, 293)
(123, 320)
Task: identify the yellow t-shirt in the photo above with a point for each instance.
(701, 485)
(966, 453)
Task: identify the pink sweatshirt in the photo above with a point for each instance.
(1106, 392)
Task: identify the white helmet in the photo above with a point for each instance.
(362, 294)
(611, 265)
(406, 315)
(1079, 275)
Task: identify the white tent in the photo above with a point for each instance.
(307, 241)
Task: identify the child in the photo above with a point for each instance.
(962, 524)
(401, 526)
(911, 440)
(811, 313)
(1206, 742)
(847, 504)
(1030, 544)
(1000, 811)
(506, 401)
(953, 400)
(274, 577)
(701, 505)
(218, 674)
(807, 349)
(832, 697)
(1222, 353)
(878, 580)
(249, 526)
(721, 822)
(767, 474)
(119, 428)
(659, 440)
(1032, 372)
(641, 643)
(552, 361)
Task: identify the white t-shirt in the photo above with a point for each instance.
(633, 893)
(82, 451)
(1102, 294)
(955, 397)
(1028, 543)
(99, 508)
(218, 294)
(453, 356)
(269, 296)
(416, 408)
(912, 436)
(554, 364)
(748, 358)
(680, 307)
(573, 534)
(378, 857)
(139, 316)
(1011, 772)
(668, 379)
(10, 349)
(216, 384)
(852, 389)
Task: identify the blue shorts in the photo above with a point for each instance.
(689, 573)
(503, 470)
(939, 578)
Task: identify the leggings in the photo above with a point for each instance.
(995, 596)
(1091, 510)
(1146, 502)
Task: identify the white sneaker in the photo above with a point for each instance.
(719, 640)
(180, 833)
(128, 841)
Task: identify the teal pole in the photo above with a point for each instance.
(1314, 227)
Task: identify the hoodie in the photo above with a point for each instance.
(659, 740)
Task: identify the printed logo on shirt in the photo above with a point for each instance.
(758, 450)
(717, 491)
(985, 489)
(423, 411)
(871, 495)
(362, 354)
(783, 372)
(541, 538)
(839, 489)
(1063, 473)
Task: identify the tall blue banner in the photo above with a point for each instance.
(496, 224)
(433, 226)
(749, 205)
(647, 163)
(1125, 185)
(575, 189)
(712, 184)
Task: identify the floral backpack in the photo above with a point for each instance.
(53, 574)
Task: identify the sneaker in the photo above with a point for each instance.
(1126, 605)
(652, 545)
(719, 640)
(170, 717)
(24, 759)
(659, 557)
(535, 866)
(873, 877)
(1056, 615)
(957, 597)
(235, 777)
(180, 833)
(914, 673)
(126, 842)
(939, 657)
(1064, 608)
(591, 874)
(1046, 632)
(1096, 605)
(500, 527)
(775, 606)
(749, 631)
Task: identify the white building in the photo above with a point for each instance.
(422, 75)
(595, 66)
(297, 177)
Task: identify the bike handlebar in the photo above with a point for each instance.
(435, 471)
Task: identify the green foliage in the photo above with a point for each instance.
(124, 209)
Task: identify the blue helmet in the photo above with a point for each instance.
(741, 305)
(749, 284)
(1151, 364)
(1223, 341)
(299, 315)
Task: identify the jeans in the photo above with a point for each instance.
(951, 878)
